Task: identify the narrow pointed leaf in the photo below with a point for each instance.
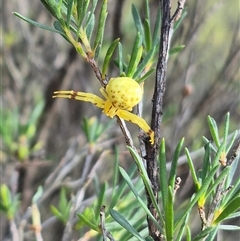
(163, 174)
(214, 130)
(121, 188)
(156, 31)
(100, 28)
(147, 35)
(172, 174)
(145, 76)
(146, 181)
(53, 7)
(206, 162)
(232, 206)
(200, 236)
(192, 170)
(87, 221)
(69, 11)
(120, 58)
(176, 49)
(169, 214)
(199, 194)
(139, 199)
(82, 6)
(144, 63)
(137, 21)
(226, 129)
(124, 223)
(38, 24)
(90, 26)
(135, 56)
(229, 227)
(108, 56)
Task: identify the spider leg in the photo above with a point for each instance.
(128, 116)
(103, 92)
(87, 97)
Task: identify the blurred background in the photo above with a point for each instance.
(203, 79)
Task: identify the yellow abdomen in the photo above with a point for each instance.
(124, 92)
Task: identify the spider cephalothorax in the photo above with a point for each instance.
(121, 94)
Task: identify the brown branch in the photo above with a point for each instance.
(105, 233)
(178, 11)
(157, 113)
(152, 151)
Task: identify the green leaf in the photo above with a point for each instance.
(188, 233)
(56, 212)
(144, 63)
(137, 21)
(115, 171)
(90, 27)
(229, 227)
(82, 6)
(100, 28)
(163, 174)
(157, 27)
(226, 129)
(135, 56)
(54, 7)
(108, 56)
(176, 49)
(192, 170)
(233, 215)
(139, 199)
(215, 183)
(147, 35)
(231, 141)
(121, 189)
(62, 199)
(146, 6)
(8, 205)
(173, 171)
(184, 222)
(36, 113)
(145, 76)
(200, 236)
(38, 194)
(38, 24)
(199, 194)
(100, 197)
(93, 129)
(214, 130)
(149, 238)
(87, 218)
(120, 59)
(5, 197)
(146, 181)
(218, 155)
(124, 223)
(70, 4)
(230, 208)
(206, 161)
(169, 215)
(93, 8)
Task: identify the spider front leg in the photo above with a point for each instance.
(128, 116)
(87, 97)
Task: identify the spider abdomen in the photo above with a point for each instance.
(124, 92)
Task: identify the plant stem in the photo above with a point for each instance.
(152, 151)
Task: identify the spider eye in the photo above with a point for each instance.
(124, 92)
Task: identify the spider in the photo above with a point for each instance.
(121, 94)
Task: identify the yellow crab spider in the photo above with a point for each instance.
(121, 94)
